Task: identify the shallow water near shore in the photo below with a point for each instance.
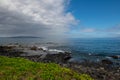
(93, 49)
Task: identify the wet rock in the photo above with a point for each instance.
(67, 56)
(9, 51)
(57, 58)
(115, 57)
(106, 61)
(33, 48)
(40, 49)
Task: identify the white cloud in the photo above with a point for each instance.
(35, 17)
(88, 30)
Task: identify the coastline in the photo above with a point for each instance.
(102, 70)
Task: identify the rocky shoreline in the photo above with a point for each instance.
(102, 70)
(35, 54)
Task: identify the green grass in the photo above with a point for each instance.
(23, 69)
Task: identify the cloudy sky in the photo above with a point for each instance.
(35, 18)
(63, 18)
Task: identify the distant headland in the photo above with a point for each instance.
(22, 37)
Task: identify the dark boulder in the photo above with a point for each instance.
(106, 61)
(57, 58)
(33, 48)
(115, 57)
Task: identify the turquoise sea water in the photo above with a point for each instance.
(90, 49)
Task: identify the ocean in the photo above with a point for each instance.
(93, 49)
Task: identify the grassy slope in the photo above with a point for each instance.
(22, 69)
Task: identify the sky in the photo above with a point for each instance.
(98, 18)
(60, 18)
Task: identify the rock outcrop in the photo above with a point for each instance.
(35, 54)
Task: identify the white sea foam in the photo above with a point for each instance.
(89, 54)
(55, 50)
(107, 57)
(44, 48)
(50, 50)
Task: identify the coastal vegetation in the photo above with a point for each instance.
(23, 69)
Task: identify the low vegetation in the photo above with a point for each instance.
(23, 69)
